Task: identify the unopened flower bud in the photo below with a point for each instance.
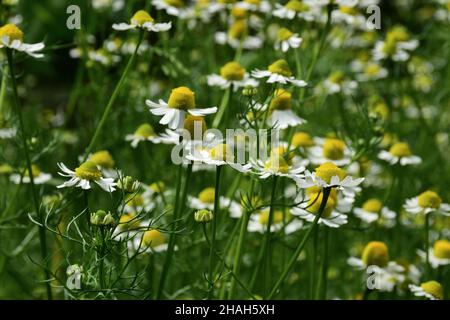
(102, 219)
(128, 184)
(203, 216)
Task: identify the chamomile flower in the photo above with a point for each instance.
(254, 5)
(216, 153)
(302, 140)
(259, 220)
(11, 37)
(276, 165)
(144, 132)
(142, 20)
(281, 116)
(328, 175)
(295, 8)
(337, 82)
(84, 175)
(104, 160)
(373, 210)
(139, 202)
(232, 74)
(39, 177)
(286, 39)
(396, 45)
(372, 71)
(431, 290)
(279, 72)
(177, 8)
(399, 153)
(438, 255)
(238, 37)
(427, 202)
(330, 150)
(205, 200)
(151, 241)
(181, 102)
(347, 12)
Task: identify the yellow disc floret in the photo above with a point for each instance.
(192, 122)
(12, 31)
(284, 34)
(314, 202)
(282, 100)
(263, 218)
(333, 149)
(153, 238)
(207, 195)
(103, 159)
(141, 17)
(329, 170)
(441, 249)
(375, 253)
(35, 171)
(429, 199)
(281, 67)
(400, 149)
(175, 3)
(222, 152)
(373, 205)
(302, 139)
(88, 171)
(238, 30)
(276, 164)
(232, 71)
(145, 131)
(434, 288)
(182, 98)
(296, 5)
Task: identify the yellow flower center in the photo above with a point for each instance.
(277, 164)
(429, 199)
(12, 31)
(35, 171)
(103, 159)
(207, 195)
(400, 149)
(373, 205)
(302, 139)
(284, 34)
(255, 2)
(349, 10)
(375, 253)
(5, 169)
(329, 170)
(175, 3)
(282, 152)
(380, 108)
(296, 6)
(314, 202)
(191, 122)
(128, 221)
(232, 71)
(182, 98)
(333, 149)
(239, 13)
(282, 100)
(238, 30)
(157, 187)
(135, 201)
(263, 218)
(441, 249)
(336, 77)
(153, 238)
(88, 171)
(314, 190)
(372, 69)
(145, 131)
(221, 152)
(434, 288)
(280, 67)
(397, 34)
(389, 47)
(141, 17)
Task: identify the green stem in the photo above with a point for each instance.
(427, 244)
(301, 245)
(101, 267)
(222, 108)
(42, 236)
(113, 98)
(3, 90)
(213, 233)
(323, 280)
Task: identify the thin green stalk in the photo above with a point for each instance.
(323, 280)
(42, 236)
(314, 262)
(222, 108)
(213, 233)
(3, 89)
(427, 244)
(101, 268)
(113, 98)
(301, 245)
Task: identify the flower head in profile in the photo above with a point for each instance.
(232, 74)
(396, 46)
(279, 72)
(438, 255)
(177, 8)
(180, 103)
(286, 39)
(39, 177)
(373, 210)
(278, 164)
(307, 10)
(259, 220)
(431, 290)
(400, 153)
(205, 200)
(281, 115)
(151, 241)
(330, 150)
(84, 175)
(238, 36)
(144, 132)
(11, 37)
(142, 20)
(105, 161)
(427, 202)
(337, 82)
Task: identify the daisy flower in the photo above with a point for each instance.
(396, 46)
(431, 290)
(254, 5)
(181, 102)
(216, 154)
(139, 202)
(438, 255)
(427, 202)
(328, 175)
(82, 177)
(347, 12)
(295, 8)
(372, 71)
(39, 177)
(279, 72)
(205, 200)
(232, 74)
(330, 150)
(399, 153)
(151, 241)
(142, 20)
(286, 39)
(104, 160)
(258, 222)
(337, 82)
(175, 8)
(276, 165)
(281, 116)
(302, 140)
(238, 37)
(144, 132)
(373, 210)
(11, 37)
